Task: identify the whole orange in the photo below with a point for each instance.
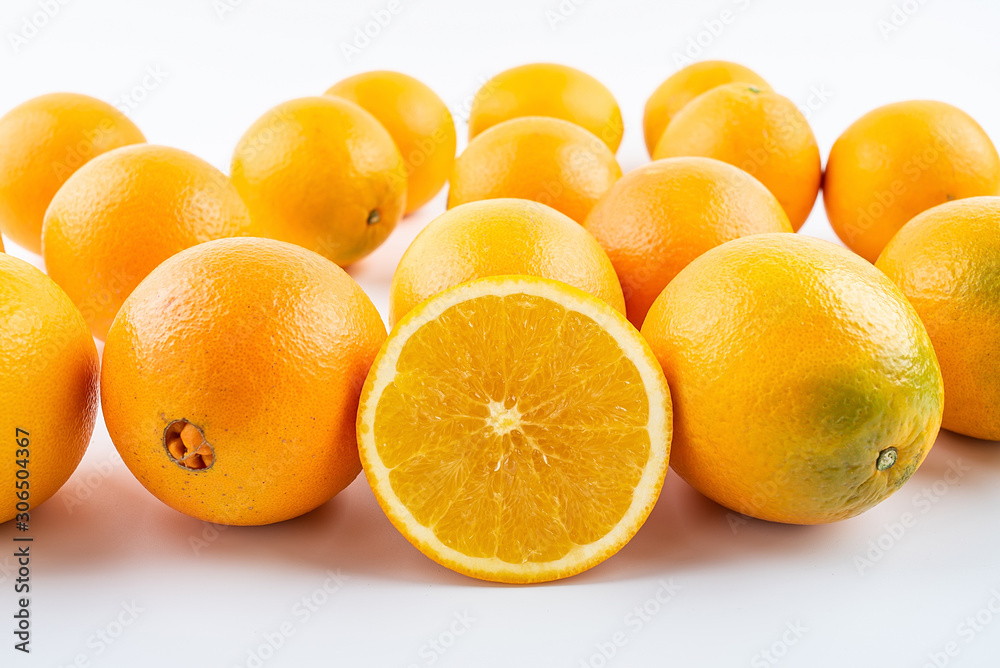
(757, 130)
(805, 388)
(125, 212)
(44, 141)
(497, 237)
(899, 160)
(231, 380)
(419, 122)
(546, 89)
(547, 160)
(686, 84)
(322, 173)
(48, 387)
(661, 216)
(946, 261)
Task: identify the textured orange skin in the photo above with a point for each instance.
(546, 160)
(44, 141)
(792, 364)
(661, 216)
(48, 382)
(419, 122)
(264, 346)
(125, 212)
(946, 261)
(498, 237)
(760, 132)
(545, 89)
(685, 85)
(899, 160)
(312, 170)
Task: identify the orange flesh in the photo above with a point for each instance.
(514, 429)
(187, 446)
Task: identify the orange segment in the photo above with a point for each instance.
(515, 429)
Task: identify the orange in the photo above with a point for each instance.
(686, 84)
(125, 212)
(44, 141)
(805, 387)
(660, 217)
(322, 173)
(545, 89)
(419, 122)
(515, 429)
(495, 237)
(48, 387)
(757, 130)
(899, 160)
(547, 160)
(231, 380)
(946, 261)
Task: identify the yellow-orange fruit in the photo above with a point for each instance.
(44, 141)
(231, 380)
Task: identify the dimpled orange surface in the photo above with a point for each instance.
(125, 212)
(322, 173)
(501, 236)
(659, 217)
(48, 384)
(547, 89)
(547, 160)
(947, 262)
(44, 141)
(231, 380)
(899, 160)
(419, 122)
(805, 387)
(757, 130)
(685, 85)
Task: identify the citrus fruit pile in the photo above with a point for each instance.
(559, 335)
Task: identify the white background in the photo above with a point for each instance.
(210, 597)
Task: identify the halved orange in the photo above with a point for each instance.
(515, 429)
